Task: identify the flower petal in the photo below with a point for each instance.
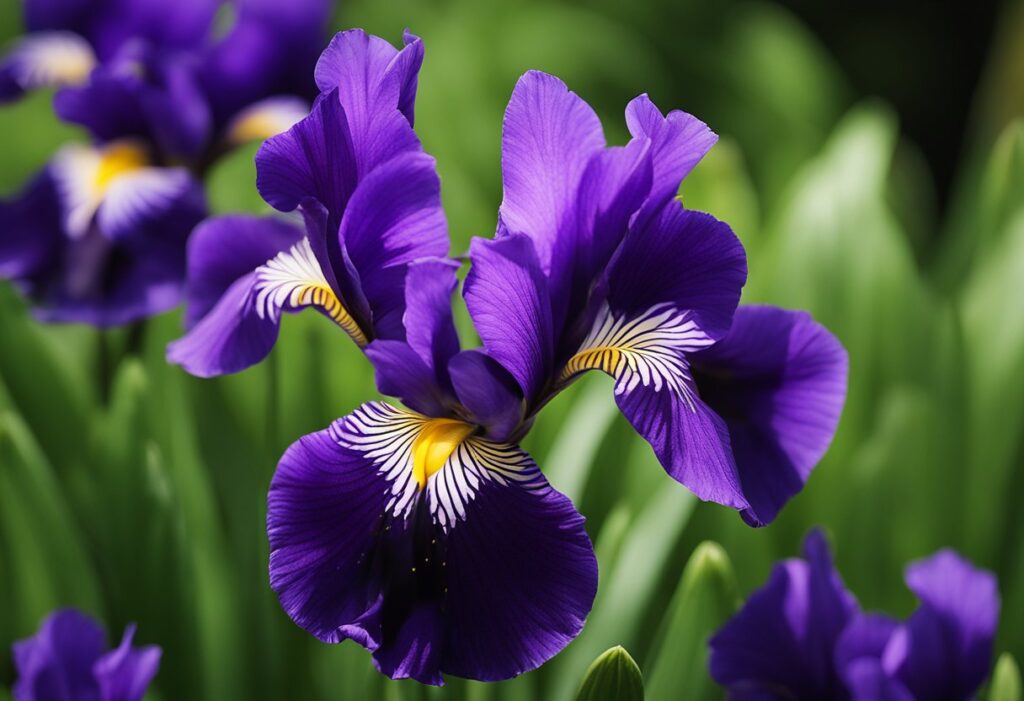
(429, 327)
(56, 663)
(359, 551)
(783, 637)
(548, 137)
(223, 249)
(393, 218)
(489, 392)
(45, 60)
(266, 118)
(682, 257)
(136, 199)
(779, 380)
(31, 235)
(507, 296)
(402, 373)
(678, 142)
(124, 673)
(370, 73)
(950, 635)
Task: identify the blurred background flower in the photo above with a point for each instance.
(871, 161)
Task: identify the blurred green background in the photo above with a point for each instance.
(872, 163)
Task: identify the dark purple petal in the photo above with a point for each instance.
(507, 296)
(678, 142)
(690, 440)
(42, 15)
(489, 392)
(223, 249)
(57, 663)
(370, 73)
(548, 137)
(113, 24)
(783, 638)
(230, 338)
(950, 635)
(429, 327)
(31, 234)
(124, 673)
(393, 218)
(685, 258)
(778, 379)
(866, 636)
(403, 373)
(359, 551)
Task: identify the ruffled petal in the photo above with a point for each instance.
(950, 635)
(507, 296)
(548, 137)
(124, 673)
(779, 380)
(409, 564)
(678, 142)
(783, 638)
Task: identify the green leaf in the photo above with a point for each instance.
(1006, 685)
(613, 676)
(705, 599)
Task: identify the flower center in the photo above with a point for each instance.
(117, 159)
(436, 441)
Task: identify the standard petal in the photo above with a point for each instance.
(548, 137)
(365, 545)
(783, 638)
(56, 664)
(223, 249)
(678, 142)
(489, 392)
(950, 635)
(778, 379)
(429, 327)
(230, 338)
(682, 257)
(371, 75)
(393, 218)
(313, 159)
(507, 296)
(124, 673)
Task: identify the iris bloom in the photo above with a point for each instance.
(68, 660)
(401, 528)
(99, 235)
(803, 636)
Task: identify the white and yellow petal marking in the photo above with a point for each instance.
(649, 350)
(265, 118)
(51, 59)
(440, 457)
(293, 279)
(86, 174)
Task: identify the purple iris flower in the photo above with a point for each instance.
(68, 660)
(370, 202)
(400, 528)
(803, 636)
(597, 266)
(99, 235)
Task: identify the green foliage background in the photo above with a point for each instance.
(136, 492)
